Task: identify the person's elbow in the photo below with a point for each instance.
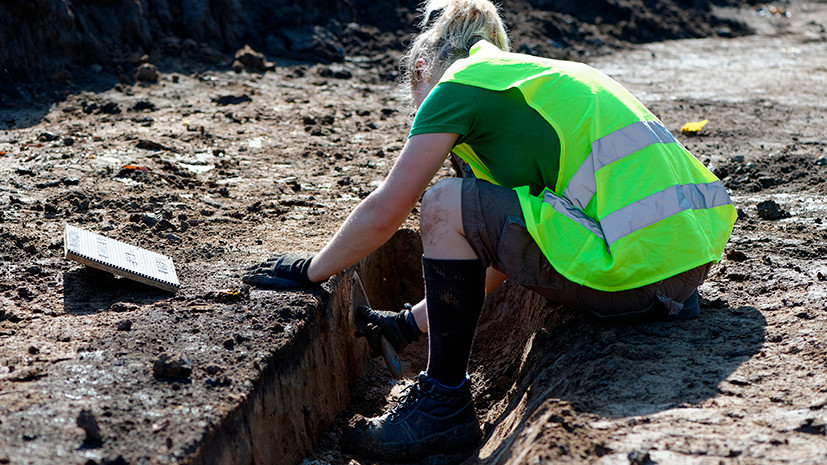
(386, 214)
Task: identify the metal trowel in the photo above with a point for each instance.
(371, 332)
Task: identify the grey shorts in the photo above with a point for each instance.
(495, 228)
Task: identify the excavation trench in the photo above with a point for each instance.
(546, 380)
(303, 389)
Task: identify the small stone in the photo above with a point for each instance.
(147, 72)
(163, 225)
(822, 161)
(338, 73)
(34, 350)
(252, 61)
(229, 344)
(46, 136)
(770, 210)
(125, 325)
(213, 369)
(639, 457)
(87, 421)
(144, 105)
(736, 255)
(172, 366)
(123, 307)
(8, 315)
(150, 145)
(26, 293)
(47, 184)
(34, 270)
(110, 108)
(767, 181)
(232, 99)
(149, 219)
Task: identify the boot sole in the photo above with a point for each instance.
(451, 446)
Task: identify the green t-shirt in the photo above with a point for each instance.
(518, 146)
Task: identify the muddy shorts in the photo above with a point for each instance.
(495, 228)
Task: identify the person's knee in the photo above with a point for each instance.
(441, 207)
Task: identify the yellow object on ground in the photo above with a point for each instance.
(693, 127)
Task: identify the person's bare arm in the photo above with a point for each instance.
(381, 213)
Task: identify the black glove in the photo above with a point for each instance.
(373, 324)
(281, 272)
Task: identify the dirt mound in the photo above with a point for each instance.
(570, 28)
(60, 39)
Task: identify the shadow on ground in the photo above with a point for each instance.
(575, 372)
(87, 290)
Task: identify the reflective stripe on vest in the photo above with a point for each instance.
(611, 148)
(644, 212)
(630, 205)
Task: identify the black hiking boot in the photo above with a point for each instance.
(392, 325)
(430, 419)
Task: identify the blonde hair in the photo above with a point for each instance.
(449, 29)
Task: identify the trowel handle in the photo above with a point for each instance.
(391, 359)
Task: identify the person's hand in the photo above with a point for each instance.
(280, 272)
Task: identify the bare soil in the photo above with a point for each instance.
(220, 170)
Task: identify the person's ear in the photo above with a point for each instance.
(420, 69)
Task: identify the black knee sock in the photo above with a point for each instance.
(454, 292)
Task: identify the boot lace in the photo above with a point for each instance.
(410, 396)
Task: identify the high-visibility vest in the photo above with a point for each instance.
(631, 205)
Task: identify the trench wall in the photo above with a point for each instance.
(304, 388)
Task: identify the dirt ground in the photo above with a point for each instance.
(219, 170)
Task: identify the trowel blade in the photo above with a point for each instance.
(359, 298)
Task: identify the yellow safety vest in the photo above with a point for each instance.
(631, 205)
